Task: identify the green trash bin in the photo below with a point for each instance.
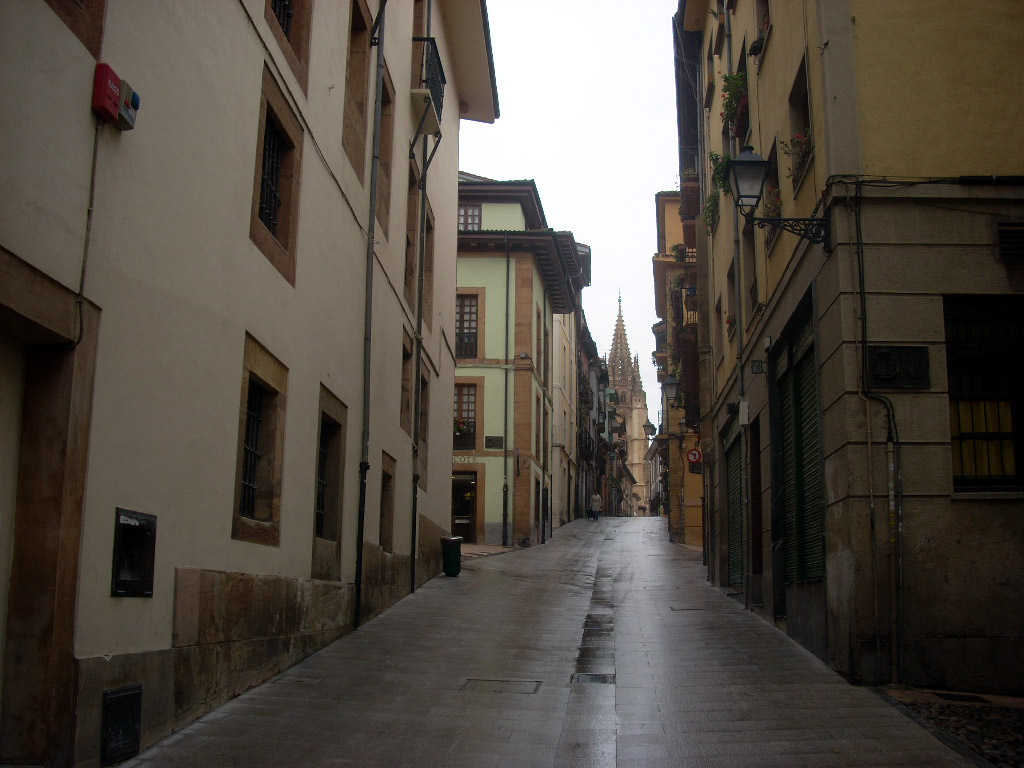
(451, 555)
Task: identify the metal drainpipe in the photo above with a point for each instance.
(80, 296)
(504, 439)
(544, 434)
(371, 228)
(417, 396)
(894, 470)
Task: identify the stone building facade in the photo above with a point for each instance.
(225, 344)
(514, 464)
(860, 421)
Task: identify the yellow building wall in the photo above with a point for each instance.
(939, 86)
(502, 216)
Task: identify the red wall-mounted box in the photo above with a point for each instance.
(106, 94)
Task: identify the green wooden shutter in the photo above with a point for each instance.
(734, 504)
(812, 524)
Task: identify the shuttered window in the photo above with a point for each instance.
(734, 504)
(800, 459)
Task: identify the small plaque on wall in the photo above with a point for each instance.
(494, 442)
(898, 367)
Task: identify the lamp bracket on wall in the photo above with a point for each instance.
(813, 230)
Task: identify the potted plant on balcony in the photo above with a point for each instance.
(799, 150)
(720, 170)
(734, 97)
(462, 426)
(711, 209)
(771, 208)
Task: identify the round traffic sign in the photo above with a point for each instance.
(693, 455)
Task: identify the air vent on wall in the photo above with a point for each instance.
(121, 724)
(1011, 240)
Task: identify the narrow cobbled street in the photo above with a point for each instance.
(603, 647)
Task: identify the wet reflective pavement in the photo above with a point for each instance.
(604, 647)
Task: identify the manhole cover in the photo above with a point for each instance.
(593, 677)
(477, 685)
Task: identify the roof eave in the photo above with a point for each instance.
(469, 42)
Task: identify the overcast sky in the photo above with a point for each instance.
(587, 98)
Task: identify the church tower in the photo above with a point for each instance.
(624, 378)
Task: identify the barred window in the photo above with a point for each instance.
(275, 199)
(985, 363)
(464, 428)
(466, 310)
(257, 506)
(274, 146)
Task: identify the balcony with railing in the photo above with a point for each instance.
(464, 434)
(586, 445)
(433, 72)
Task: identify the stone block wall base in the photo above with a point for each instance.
(428, 550)
(231, 632)
(386, 579)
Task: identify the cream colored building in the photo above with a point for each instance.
(514, 467)
(226, 401)
(861, 419)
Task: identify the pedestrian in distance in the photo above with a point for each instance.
(595, 506)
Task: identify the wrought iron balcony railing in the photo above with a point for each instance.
(464, 434)
(433, 72)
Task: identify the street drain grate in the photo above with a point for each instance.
(480, 685)
(593, 677)
(300, 680)
(964, 697)
(686, 608)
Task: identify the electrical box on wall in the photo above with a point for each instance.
(134, 554)
(113, 99)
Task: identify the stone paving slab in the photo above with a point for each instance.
(602, 648)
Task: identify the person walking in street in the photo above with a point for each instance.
(595, 506)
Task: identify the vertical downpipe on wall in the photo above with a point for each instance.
(371, 231)
(894, 470)
(504, 423)
(421, 237)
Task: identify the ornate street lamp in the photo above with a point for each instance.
(671, 388)
(747, 174)
(649, 429)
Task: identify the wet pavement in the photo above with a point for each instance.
(604, 647)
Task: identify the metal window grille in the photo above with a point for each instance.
(984, 351)
(464, 438)
(321, 478)
(270, 197)
(433, 72)
(466, 308)
(283, 11)
(469, 218)
(251, 449)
